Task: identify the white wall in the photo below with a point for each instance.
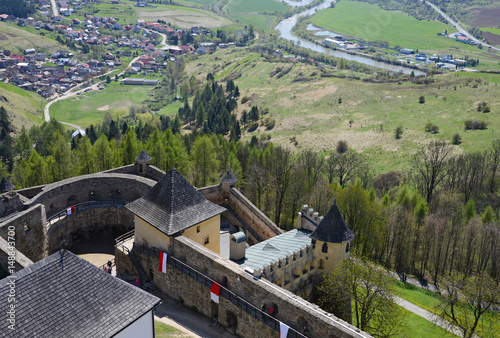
(142, 327)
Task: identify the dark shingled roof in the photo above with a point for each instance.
(65, 296)
(5, 185)
(143, 157)
(173, 205)
(228, 177)
(332, 228)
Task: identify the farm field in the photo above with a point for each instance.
(255, 6)
(491, 30)
(183, 17)
(24, 107)
(310, 112)
(369, 22)
(90, 107)
(264, 22)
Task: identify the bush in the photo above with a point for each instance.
(473, 125)
(421, 99)
(398, 132)
(342, 146)
(269, 123)
(245, 99)
(252, 126)
(456, 139)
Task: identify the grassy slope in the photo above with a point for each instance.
(23, 107)
(163, 330)
(369, 22)
(310, 110)
(17, 39)
(491, 30)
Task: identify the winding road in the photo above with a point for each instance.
(457, 26)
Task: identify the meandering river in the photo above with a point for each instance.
(285, 28)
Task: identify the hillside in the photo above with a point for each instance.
(306, 106)
(22, 106)
(16, 39)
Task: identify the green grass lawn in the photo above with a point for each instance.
(164, 331)
(83, 110)
(418, 327)
(430, 300)
(491, 30)
(369, 22)
(257, 6)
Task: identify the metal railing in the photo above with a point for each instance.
(86, 205)
(246, 306)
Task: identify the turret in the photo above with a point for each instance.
(142, 162)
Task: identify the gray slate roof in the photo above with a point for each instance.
(173, 205)
(143, 157)
(6, 185)
(65, 296)
(270, 251)
(228, 177)
(332, 228)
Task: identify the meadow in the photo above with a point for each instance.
(24, 107)
(369, 22)
(18, 39)
(255, 6)
(309, 111)
(90, 107)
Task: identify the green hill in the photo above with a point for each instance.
(24, 107)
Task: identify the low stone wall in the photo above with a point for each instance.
(101, 186)
(152, 172)
(212, 193)
(31, 191)
(252, 215)
(31, 232)
(89, 224)
(291, 309)
(20, 260)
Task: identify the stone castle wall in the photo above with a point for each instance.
(20, 262)
(57, 196)
(84, 225)
(292, 309)
(31, 232)
(10, 202)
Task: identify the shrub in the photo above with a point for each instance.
(245, 99)
(252, 126)
(342, 146)
(398, 132)
(473, 125)
(269, 123)
(421, 99)
(456, 139)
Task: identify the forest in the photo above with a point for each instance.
(440, 216)
(18, 8)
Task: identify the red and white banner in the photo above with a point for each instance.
(70, 210)
(283, 330)
(163, 262)
(215, 292)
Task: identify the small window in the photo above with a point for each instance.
(348, 247)
(198, 228)
(320, 265)
(207, 240)
(324, 248)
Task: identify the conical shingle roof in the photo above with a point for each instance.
(173, 205)
(5, 185)
(332, 228)
(228, 177)
(143, 157)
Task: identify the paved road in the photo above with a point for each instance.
(427, 315)
(457, 26)
(54, 7)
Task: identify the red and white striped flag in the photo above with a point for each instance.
(70, 210)
(215, 292)
(163, 262)
(283, 330)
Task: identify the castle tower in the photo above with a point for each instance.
(227, 181)
(331, 240)
(142, 162)
(6, 185)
